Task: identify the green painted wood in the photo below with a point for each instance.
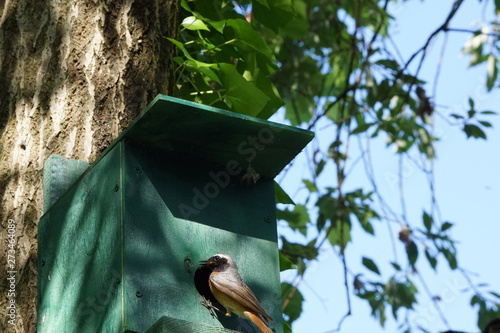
(79, 255)
(59, 173)
(162, 249)
(93, 278)
(174, 325)
(214, 136)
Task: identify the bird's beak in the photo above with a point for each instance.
(205, 262)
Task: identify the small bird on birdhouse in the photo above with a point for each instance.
(230, 290)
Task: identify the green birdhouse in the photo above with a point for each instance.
(121, 240)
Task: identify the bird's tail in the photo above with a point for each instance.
(258, 322)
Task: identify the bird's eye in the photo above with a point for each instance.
(216, 257)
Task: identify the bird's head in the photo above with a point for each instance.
(219, 262)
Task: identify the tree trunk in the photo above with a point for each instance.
(73, 74)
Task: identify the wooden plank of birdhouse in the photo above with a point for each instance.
(59, 173)
(216, 136)
(174, 325)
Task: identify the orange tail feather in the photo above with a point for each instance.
(258, 322)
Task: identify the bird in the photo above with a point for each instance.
(229, 289)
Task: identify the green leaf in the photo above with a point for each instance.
(431, 259)
(486, 314)
(262, 2)
(247, 37)
(185, 5)
(428, 221)
(474, 131)
(474, 47)
(446, 225)
(286, 327)
(320, 222)
(412, 253)
(361, 128)
(298, 27)
(327, 210)
(294, 251)
(370, 264)
(450, 257)
(217, 25)
(274, 14)
(192, 23)
(471, 113)
(293, 299)
(471, 103)
(492, 72)
(301, 266)
(485, 123)
(367, 226)
(456, 116)
(244, 96)
(475, 300)
(425, 144)
(263, 83)
(299, 110)
(297, 218)
(197, 63)
(400, 294)
(310, 185)
(281, 196)
(339, 233)
(205, 69)
(319, 167)
(388, 63)
(285, 263)
(396, 266)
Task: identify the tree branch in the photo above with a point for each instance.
(354, 86)
(423, 49)
(470, 31)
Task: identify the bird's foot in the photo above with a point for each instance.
(207, 304)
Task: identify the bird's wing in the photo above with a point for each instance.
(242, 294)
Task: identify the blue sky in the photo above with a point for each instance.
(467, 186)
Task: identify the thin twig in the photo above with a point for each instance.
(291, 293)
(423, 49)
(349, 88)
(346, 283)
(386, 209)
(477, 292)
(433, 300)
(401, 191)
(439, 67)
(469, 31)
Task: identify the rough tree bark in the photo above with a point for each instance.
(73, 74)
